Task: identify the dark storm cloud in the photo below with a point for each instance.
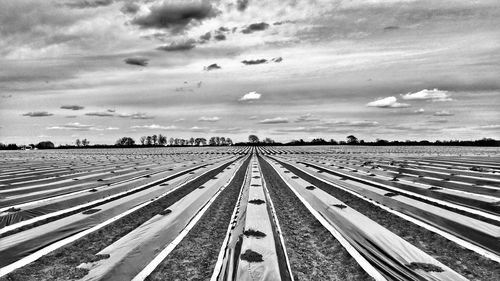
(213, 66)
(176, 16)
(137, 61)
(72, 107)
(130, 8)
(224, 29)
(255, 27)
(178, 46)
(38, 114)
(278, 59)
(392, 27)
(83, 4)
(252, 62)
(242, 5)
(220, 37)
(205, 37)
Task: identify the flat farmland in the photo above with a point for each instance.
(251, 213)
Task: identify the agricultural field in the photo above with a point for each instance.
(251, 213)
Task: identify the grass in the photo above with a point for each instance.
(251, 256)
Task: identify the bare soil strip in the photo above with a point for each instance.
(463, 261)
(196, 255)
(62, 264)
(313, 252)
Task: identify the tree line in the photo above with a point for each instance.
(161, 140)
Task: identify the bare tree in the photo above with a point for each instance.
(85, 142)
(171, 141)
(191, 141)
(149, 140)
(143, 140)
(78, 142)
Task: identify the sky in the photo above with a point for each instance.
(290, 69)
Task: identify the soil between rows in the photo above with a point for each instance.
(195, 256)
(466, 262)
(313, 252)
(62, 263)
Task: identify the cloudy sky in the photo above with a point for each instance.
(394, 69)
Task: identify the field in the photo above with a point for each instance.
(251, 213)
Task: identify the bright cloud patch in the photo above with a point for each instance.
(388, 102)
(434, 95)
(419, 111)
(208, 119)
(443, 113)
(72, 126)
(154, 127)
(251, 96)
(277, 120)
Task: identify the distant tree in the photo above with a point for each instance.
(44, 145)
(191, 141)
(229, 141)
(177, 141)
(162, 140)
(171, 141)
(155, 139)
(85, 142)
(78, 142)
(125, 141)
(143, 140)
(352, 139)
(203, 141)
(332, 141)
(212, 141)
(13, 146)
(253, 139)
(222, 141)
(149, 140)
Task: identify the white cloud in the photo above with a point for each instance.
(253, 117)
(277, 120)
(443, 113)
(154, 127)
(137, 115)
(434, 95)
(388, 102)
(72, 126)
(251, 96)
(208, 119)
(199, 129)
(419, 111)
